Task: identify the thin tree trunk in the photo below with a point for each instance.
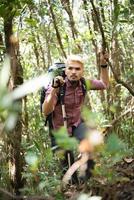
(26, 118)
(42, 52)
(36, 51)
(67, 7)
(47, 46)
(56, 29)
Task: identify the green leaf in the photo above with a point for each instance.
(88, 84)
(11, 121)
(114, 144)
(32, 22)
(63, 140)
(123, 21)
(89, 117)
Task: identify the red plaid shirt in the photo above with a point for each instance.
(73, 100)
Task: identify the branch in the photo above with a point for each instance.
(117, 119)
(118, 80)
(104, 44)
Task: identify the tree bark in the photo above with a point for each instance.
(12, 46)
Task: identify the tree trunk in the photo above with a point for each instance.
(57, 30)
(12, 47)
(66, 5)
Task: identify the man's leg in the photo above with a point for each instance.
(80, 133)
(66, 161)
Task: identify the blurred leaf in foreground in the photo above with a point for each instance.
(114, 144)
(32, 160)
(63, 140)
(89, 117)
(5, 73)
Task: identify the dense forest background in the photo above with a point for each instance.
(33, 35)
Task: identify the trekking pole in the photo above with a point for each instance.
(62, 91)
(63, 106)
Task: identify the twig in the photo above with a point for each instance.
(119, 80)
(117, 119)
(104, 44)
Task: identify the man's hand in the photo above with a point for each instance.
(104, 58)
(58, 81)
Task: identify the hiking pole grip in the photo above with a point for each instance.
(62, 94)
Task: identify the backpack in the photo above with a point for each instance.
(55, 70)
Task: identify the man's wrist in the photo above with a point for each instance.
(103, 66)
(54, 90)
(55, 86)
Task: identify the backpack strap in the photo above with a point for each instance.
(49, 117)
(63, 90)
(42, 97)
(84, 86)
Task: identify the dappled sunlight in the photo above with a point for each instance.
(95, 145)
(88, 197)
(30, 86)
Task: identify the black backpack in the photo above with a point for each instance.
(57, 69)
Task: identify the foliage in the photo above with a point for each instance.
(39, 47)
(64, 141)
(113, 151)
(8, 111)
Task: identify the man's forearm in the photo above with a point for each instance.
(50, 102)
(104, 76)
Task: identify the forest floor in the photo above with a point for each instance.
(123, 189)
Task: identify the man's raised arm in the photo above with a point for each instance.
(103, 83)
(104, 76)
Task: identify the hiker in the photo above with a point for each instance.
(74, 95)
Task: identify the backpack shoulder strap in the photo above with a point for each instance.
(42, 97)
(84, 86)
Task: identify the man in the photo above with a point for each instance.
(74, 97)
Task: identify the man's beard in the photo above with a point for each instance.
(74, 82)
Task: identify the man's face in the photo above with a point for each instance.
(74, 70)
